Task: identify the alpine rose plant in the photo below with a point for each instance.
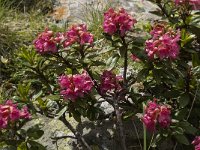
(156, 114)
(45, 42)
(163, 44)
(78, 34)
(9, 114)
(109, 82)
(117, 22)
(75, 86)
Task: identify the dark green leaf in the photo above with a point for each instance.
(36, 146)
(182, 139)
(61, 112)
(35, 132)
(184, 100)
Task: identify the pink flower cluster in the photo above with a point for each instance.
(163, 44)
(9, 113)
(109, 82)
(75, 86)
(45, 42)
(117, 22)
(196, 142)
(79, 34)
(194, 3)
(155, 113)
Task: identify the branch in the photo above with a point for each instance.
(63, 137)
(119, 122)
(77, 134)
(195, 96)
(125, 61)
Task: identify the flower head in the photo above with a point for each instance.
(45, 42)
(196, 142)
(78, 34)
(109, 82)
(163, 44)
(156, 114)
(164, 118)
(75, 86)
(10, 113)
(119, 21)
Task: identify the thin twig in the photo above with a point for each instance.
(151, 141)
(137, 134)
(63, 137)
(193, 102)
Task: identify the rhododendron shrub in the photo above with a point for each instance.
(156, 114)
(45, 42)
(10, 114)
(117, 22)
(163, 44)
(75, 74)
(109, 82)
(75, 86)
(79, 34)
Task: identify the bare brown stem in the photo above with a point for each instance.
(120, 123)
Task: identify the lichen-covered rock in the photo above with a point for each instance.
(67, 11)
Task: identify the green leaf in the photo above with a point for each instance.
(36, 146)
(184, 100)
(181, 114)
(142, 74)
(188, 127)
(22, 146)
(35, 132)
(76, 116)
(53, 97)
(195, 60)
(112, 61)
(36, 96)
(182, 139)
(61, 112)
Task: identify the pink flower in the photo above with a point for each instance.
(156, 114)
(119, 21)
(14, 113)
(45, 42)
(164, 118)
(149, 123)
(194, 3)
(73, 87)
(9, 112)
(86, 37)
(163, 45)
(24, 113)
(3, 123)
(78, 34)
(109, 82)
(196, 142)
(59, 37)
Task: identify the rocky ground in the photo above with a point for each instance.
(73, 10)
(102, 134)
